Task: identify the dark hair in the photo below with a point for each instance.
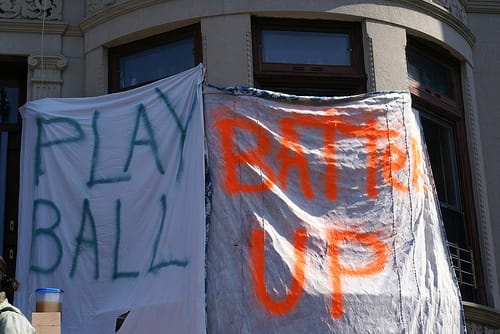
(7, 283)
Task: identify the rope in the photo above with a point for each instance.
(44, 15)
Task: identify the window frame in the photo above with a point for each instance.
(115, 53)
(451, 110)
(327, 79)
(448, 106)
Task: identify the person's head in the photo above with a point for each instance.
(7, 283)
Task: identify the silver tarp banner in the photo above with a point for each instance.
(323, 215)
(112, 207)
(324, 218)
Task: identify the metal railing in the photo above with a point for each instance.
(463, 263)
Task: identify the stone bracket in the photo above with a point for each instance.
(45, 76)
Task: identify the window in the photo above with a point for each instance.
(434, 79)
(157, 57)
(308, 57)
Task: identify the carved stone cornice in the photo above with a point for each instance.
(451, 12)
(480, 316)
(33, 26)
(454, 7)
(50, 10)
(73, 31)
(100, 11)
(445, 14)
(93, 6)
(483, 6)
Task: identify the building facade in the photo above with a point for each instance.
(446, 52)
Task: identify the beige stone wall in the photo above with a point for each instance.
(116, 22)
(77, 38)
(385, 57)
(227, 49)
(227, 54)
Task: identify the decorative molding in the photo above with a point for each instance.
(451, 12)
(480, 192)
(483, 6)
(248, 42)
(33, 26)
(371, 65)
(102, 74)
(73, 31)
(431, 8)
(93, 6)
(475, 328)
(480, 316)
(45, 76)
(31, 9)
(454, 7)
(101, 11)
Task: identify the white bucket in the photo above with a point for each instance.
(49, 300)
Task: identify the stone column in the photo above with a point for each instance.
(45, 76)
(385, 56)
(227, 50)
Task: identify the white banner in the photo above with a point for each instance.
(112, 207)
(324, 218)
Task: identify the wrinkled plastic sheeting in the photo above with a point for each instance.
(105, 183)
(324, 218)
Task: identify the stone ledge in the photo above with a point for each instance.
(29, 26)
(482, 315)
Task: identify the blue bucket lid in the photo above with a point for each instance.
(49, 290)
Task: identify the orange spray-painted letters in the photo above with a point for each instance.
(338, 269)
(258, 272)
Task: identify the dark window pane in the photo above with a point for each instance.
(9, 97)
(158, 62)
(454, 226)
(431, 74)
(308, 57)
(306, 47)
(439, 137)
(435, 86)
(313, 86)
